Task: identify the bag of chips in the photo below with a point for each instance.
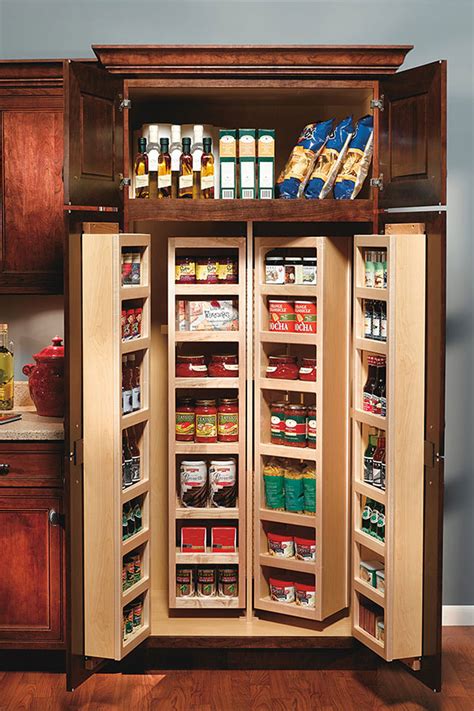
(299, 165)
(329, 160)
(356, 164)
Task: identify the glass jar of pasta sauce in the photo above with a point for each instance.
(295, 426)
(282, 366)
(192, 366)
(311, 427)
(206, 421)
(277, 422)
(185, 420)
(224, 366)
(185, 270)
(307, 369)
(228, 420)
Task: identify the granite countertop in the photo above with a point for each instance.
(31, 426)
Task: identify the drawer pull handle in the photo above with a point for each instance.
(54, 518)
(4, 469)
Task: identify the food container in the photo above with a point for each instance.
(191, 366)
(206, 582)
(228, 582)
(185, 425)
(274, 270)
(307, 369)
(305, 317)
(305, 548)
(214, 315)
(273, 482)
(277, 422)
(295, 426)
(309, 488)
(309, 271)
(228, 420)
(368, 570)
(223, 482)
(311, 427)
(184, 582)
(185, 270)
(281, 546)
(224, 366)
(282, 367)
(282, 591)
(206, 421)
(380, 631)
(46, 380)
(206, 270)
(294, 487)
(293, 270)
(227, 270)
(305, 595)
(193, 483)
(282, 315)
(380, 580)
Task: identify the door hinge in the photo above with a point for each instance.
(377, 182)
(124, 182)
(77, 454)
(125, 104)
(377, 103)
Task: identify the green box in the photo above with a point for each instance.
(266, 163)
(228, 163)
(247, 163)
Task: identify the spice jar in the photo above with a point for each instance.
(185, 270)
(206, 582)
(206, 270)
(228, 420)
(293, 270)
(277, 422)
(185, 420)
(191, 366)
(227, 582)
(224, 366)
(274, 269)
(309, 271)
(311, 427)
(307, 369)
(282, 366)
(184, 582)
(206, 421)
(295, 426)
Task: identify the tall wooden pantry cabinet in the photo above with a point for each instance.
(285, 88)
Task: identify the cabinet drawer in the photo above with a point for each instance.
(31, 464)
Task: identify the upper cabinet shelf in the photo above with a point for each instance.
(257, 210)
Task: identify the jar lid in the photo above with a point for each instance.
(292, 259)
(281, 403)
(222, 461)
(228, 400)
(310, 360)
(283, 358)
(189, 358)
(184, 401)
(274, 259)
(206, 402)
(56, 350)
(218, 356)
(296, 407)
(310, 259)
(189, 463)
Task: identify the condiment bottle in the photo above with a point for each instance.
(164, 170)
(378, 462)
(206, 421)
(370, 383)
(369, 458)
(185, 420)
(207, 170)
(186, 171)
(228, 420)
(142, 181)
(126, 387)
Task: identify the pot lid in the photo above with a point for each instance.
(56, 350)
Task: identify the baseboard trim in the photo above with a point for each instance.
(454, 615)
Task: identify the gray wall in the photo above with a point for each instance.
(439, 30)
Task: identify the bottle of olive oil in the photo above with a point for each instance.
(186, 171)
(207, 170)
(142, 178)
(6, 369)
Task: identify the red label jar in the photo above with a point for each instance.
(224, 366)
(307, 369)
(277, 422)
(305, 317)
(185, 420)
(206, 270)
(193, 366)
(311, 427)
(228, 420)
(295, 425)
(282, 315)
(185, 270)
(227, 270)
(283, 366)
(206, 421)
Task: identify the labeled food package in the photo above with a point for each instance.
(305, 316)
(356, 164)
(215, 315)
(184, 581)
(273, 482)
(282, 591)
(309, 488)
(294, 176)
(223, 539)
(305, 548)
(206, 582)
(294, 488)
(305, 595)
(193, 539)
(193, 480)
(223, 481)
(368, 570)
(281, 546)
(329, 161)
(228, 582)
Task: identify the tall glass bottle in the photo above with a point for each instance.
(196, 152)
(6, 369)
(186, 171)
(142, 179)
(207, 170)
(175, 153)
(153, 151)
(164, 170)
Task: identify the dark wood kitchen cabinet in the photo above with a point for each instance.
(31, 195)
(32, 605)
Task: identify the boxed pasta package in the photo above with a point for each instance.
(215, 315)
(299, 165)
(329, 161)
(356, 164)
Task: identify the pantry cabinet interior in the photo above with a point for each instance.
(203, 86)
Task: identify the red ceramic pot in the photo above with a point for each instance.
(46, 380)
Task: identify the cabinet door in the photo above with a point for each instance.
(413, 137)
(93, 131)
(31, 594)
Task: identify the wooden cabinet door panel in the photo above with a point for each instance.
(29, 464)
(33, 223)
(31, 588)
(413, 137)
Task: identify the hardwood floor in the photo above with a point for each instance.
(337, 689)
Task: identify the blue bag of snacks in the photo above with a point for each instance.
(329, 160)
(299, 165)
(356, 163)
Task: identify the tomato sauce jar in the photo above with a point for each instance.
(224, 366)
(283, 366)
(277, 422)
(228, 420)
(307, 369)
(185, 420)
(295, 426)
(311, 427)
(193, 366)
(206, 421)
